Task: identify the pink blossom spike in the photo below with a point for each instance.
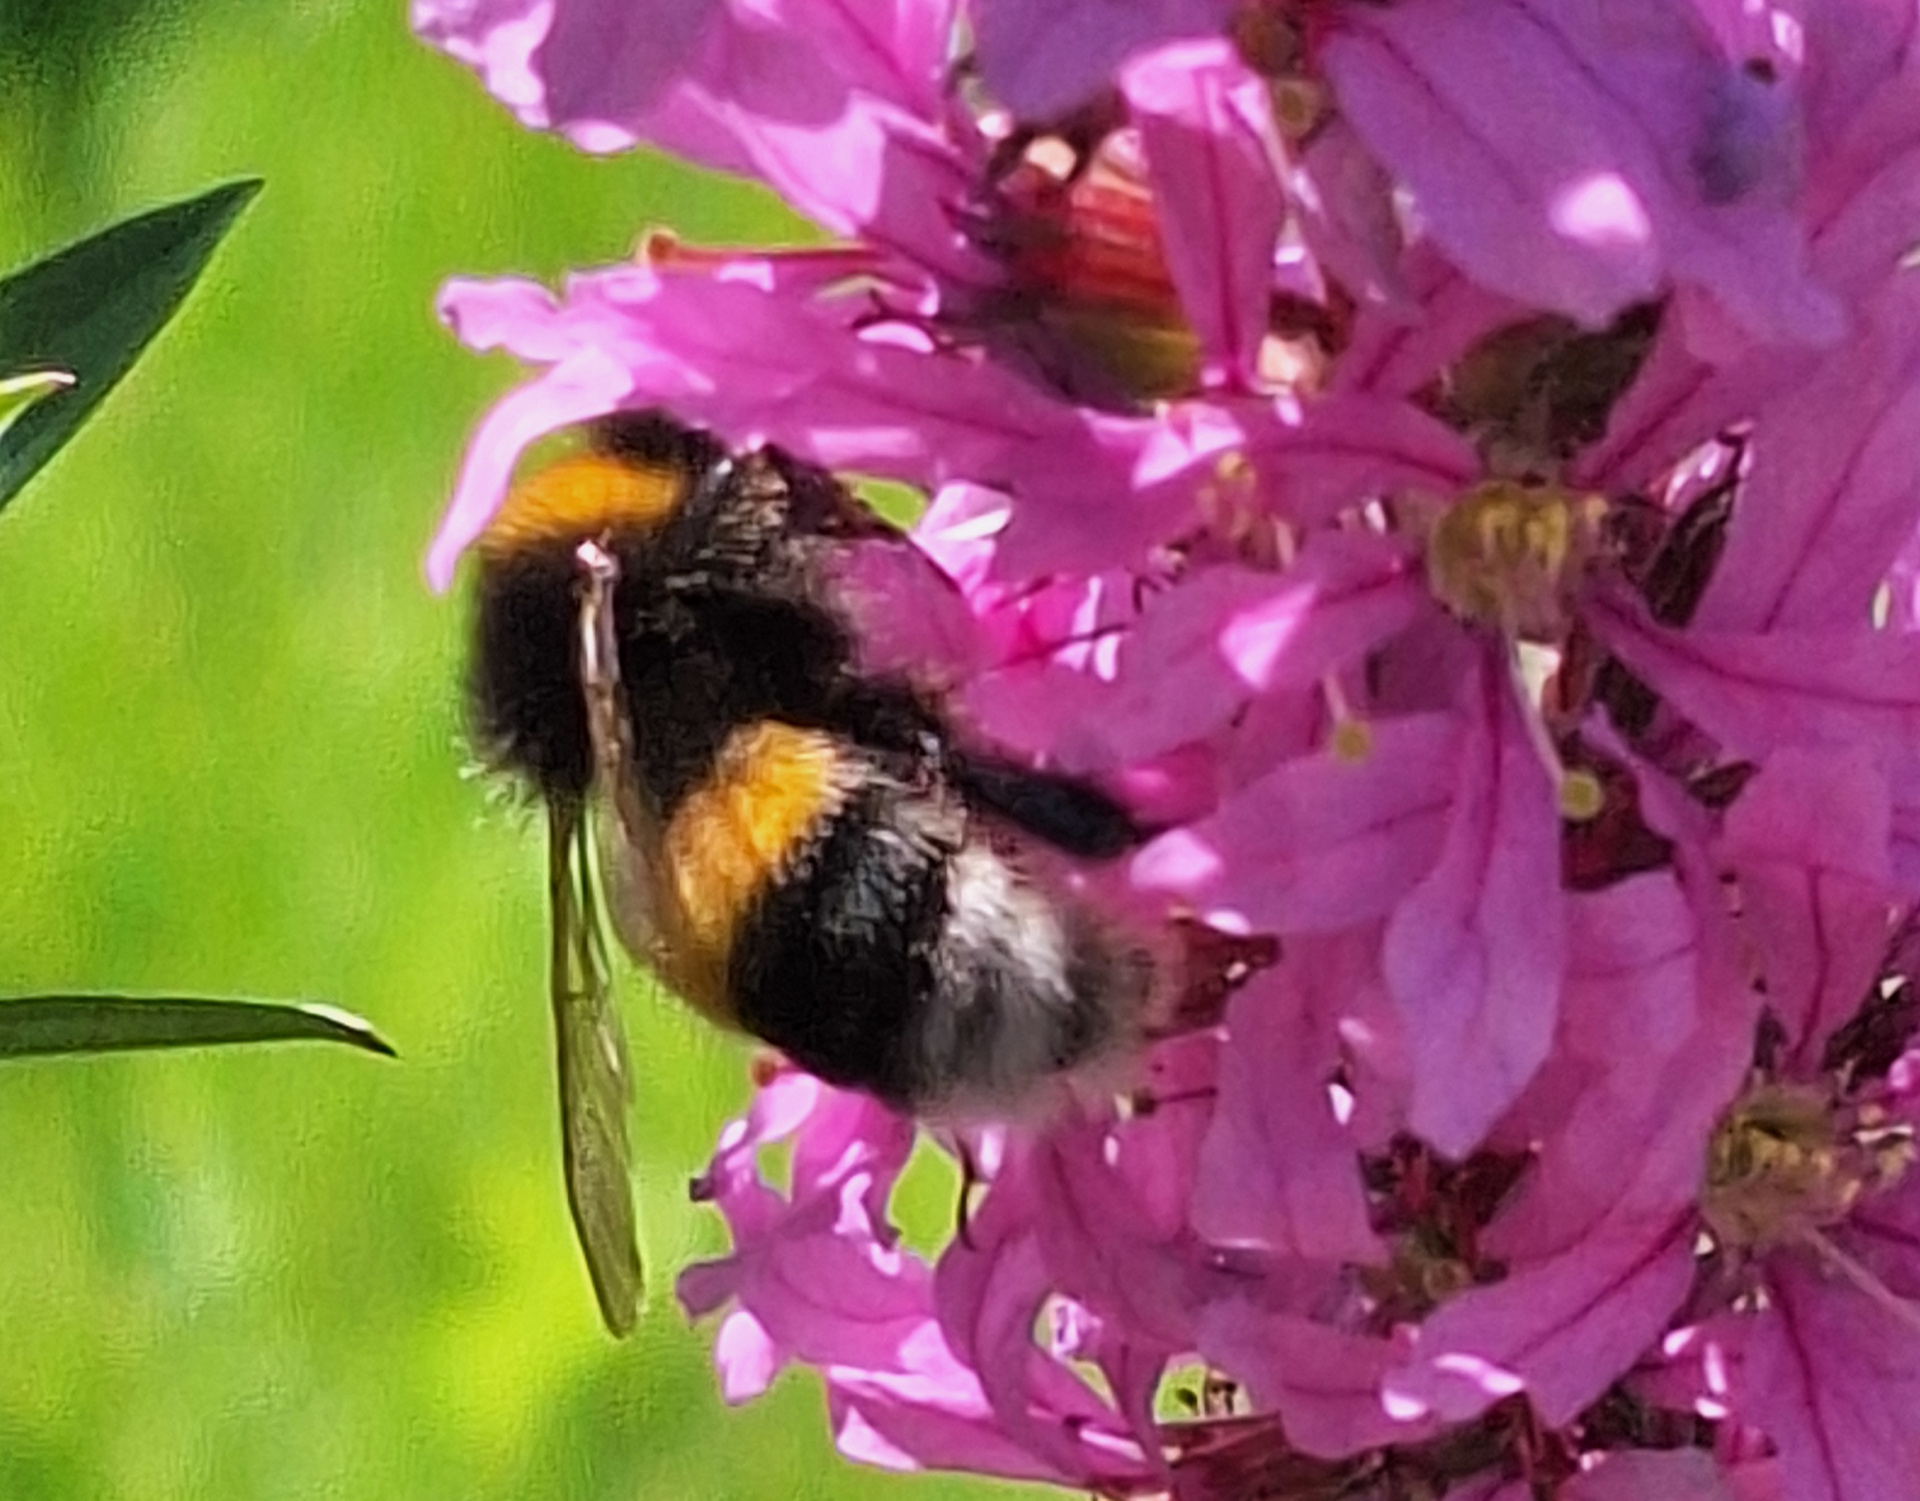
(1473, 955)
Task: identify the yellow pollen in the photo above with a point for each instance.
(1352, 741)
(1785, 1162)
(1507, 554)
(1581, 796)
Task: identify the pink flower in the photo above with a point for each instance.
(816, 1276)
(837, 108)
(1447, 468)
(1802, 1201)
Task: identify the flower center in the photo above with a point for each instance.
(1509, 555)
(1786, 1161)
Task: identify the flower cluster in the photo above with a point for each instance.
(1453, 462)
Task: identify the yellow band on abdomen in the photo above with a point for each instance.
(771, 790)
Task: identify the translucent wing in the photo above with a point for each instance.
(596, 1086)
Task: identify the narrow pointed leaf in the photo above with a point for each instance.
(91, 308)
(34, 1026)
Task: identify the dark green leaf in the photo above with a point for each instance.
(91, 308)
(37, 1025)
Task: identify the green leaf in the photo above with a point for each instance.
(90, 309)
(18, 392)
(37, 1025)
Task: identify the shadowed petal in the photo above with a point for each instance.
(1474, 955)
(1040, 60)
(1666, 161)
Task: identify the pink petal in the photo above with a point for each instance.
(1278, 1169)
(1665, 160)
(1344, 203)
(1834, 493)
(1206, 126)
(1760, 693)
(1226, 634)
(611, 62)
(746, 1356)
(1320, 843)
(1305, 463)
(1474, 955)
(1349, 447)
(1105, 1250)
(989, 1289)
(736, 346)
(838, 109)
(583, 386)
(1598, 1242)
(1835, 1382)
(1323, 1382)
(1607, 1096)
(1399, 347)
(1041, 60)
(1563, 1330)
(499, 39)
(931, 1416)
(1809, 838)
(1648, 1475)
(1679, 400)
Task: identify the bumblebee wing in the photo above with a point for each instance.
(596, 1085)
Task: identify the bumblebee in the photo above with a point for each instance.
(800, 850)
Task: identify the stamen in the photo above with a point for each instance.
(1579, 793)
(1352, 738)
(1507, 555)
(1787, 1161)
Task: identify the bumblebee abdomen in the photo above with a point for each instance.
(771, 796)
(904, 954)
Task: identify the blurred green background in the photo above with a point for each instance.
(230, 762)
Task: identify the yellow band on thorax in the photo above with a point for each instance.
(580, 496)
